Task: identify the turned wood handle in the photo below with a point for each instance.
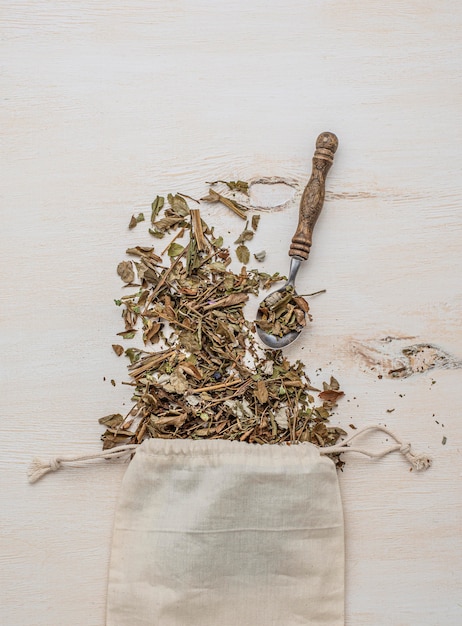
(313, 196)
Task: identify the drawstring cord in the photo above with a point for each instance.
(39, 468)
(418, 461)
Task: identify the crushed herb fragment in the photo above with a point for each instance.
(136, 220)
(234, 185)
(214, 196)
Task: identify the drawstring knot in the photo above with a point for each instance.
(417, 460)
(39, 468)
(55, 464)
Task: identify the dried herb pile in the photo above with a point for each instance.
(282, 312)
(200, 372)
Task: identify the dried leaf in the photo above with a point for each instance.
(156, 207)
(261, 392)
(255, 221)
(125, 271)
(151, 331)
(156, 233)
(334, 384)
(175, 249)
(331, 395)
(302, 303)
(237, 185)
(166, 223)
(190, 341)
(243, 254)
(191, 369)
(113, 421)
(117, 349)
(171, 420)
(144, 252)
(246, 235)
(231, 300)
(135, 220)
(133, 354)
(212, 196)
(127, 334)
(216, 267)
(178, 205)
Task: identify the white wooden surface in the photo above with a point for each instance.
(104, 105)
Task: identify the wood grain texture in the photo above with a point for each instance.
(106, 105)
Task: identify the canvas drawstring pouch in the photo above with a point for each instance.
(225, 533)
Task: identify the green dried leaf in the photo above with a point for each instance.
(178, 205)
(193, 260)
(156, 233)
(135, 220)
(218, 242)
(133, 354)
(156, 207)
(175, 249)
(243, 254)
(127, 334)
(334, 384)
(234, 185)
(238, 185)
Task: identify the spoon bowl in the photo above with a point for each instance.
(274, 341)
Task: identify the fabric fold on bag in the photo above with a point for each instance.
(217, 532)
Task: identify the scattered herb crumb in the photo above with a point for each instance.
(136, 220)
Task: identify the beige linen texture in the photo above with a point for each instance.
(223, 533)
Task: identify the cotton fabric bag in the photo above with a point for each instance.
(227, 533)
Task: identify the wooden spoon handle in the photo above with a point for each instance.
(313, 196)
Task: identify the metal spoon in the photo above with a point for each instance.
(310, 207)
